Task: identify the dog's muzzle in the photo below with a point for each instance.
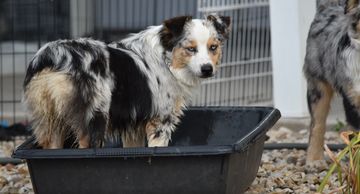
(206, 71)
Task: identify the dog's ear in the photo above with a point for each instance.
(351, 4)
(172, 30)
(176, 25)
(221, 24)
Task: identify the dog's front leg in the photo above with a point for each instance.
(158, 134)
(319, 98)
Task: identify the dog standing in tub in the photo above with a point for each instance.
(136, 88)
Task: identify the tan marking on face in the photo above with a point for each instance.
(181, 56)
(215, 56)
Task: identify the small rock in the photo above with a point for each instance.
(265, 158)
(9, 167)
(313, 187)
(268, 167)
(322, 174)
(14, 178)
(301, 161)
(316, 166)
(288, 190)
(303, 131)
(297, 177)
(25, 189)
(270, 184)
(5, 189)
(3, 181)
(292, 160)
(279, 181)
(23, 170)
(312, 179)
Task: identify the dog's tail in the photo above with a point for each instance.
(42, 59)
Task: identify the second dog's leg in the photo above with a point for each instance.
(319, 96)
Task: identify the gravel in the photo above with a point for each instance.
(15, 179)
(285, 171)
(281, 171)
(7, 147)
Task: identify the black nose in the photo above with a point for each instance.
(206, 70)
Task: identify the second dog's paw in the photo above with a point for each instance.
(316, 166)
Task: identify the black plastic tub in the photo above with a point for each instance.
(215, 150)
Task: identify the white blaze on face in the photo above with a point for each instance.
(200, 34)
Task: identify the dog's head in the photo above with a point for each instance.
(194, 45)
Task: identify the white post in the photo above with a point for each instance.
(290, 22)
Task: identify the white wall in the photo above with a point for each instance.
(290, 22)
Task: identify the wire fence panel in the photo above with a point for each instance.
(245, 76)
(25, 25)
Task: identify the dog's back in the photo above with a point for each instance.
(332, 64)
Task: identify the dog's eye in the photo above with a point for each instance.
(191, 49)
(213, 47)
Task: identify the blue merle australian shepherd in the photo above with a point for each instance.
(332, 64)
(136, 88)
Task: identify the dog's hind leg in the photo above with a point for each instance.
(44, 97)
(96, 130)
(84, 140)
(319, 95)
(57, 141)
(351, 111)
(133, 139)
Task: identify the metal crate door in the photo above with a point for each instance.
(245, 75)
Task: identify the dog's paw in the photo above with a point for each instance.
(316, 166)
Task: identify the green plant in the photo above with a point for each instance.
(339, 125)
(346, 164)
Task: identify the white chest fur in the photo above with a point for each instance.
(352, 70)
